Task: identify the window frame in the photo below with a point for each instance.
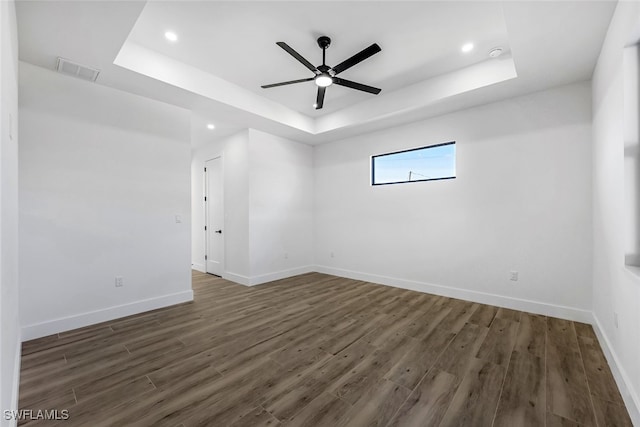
(373, 168)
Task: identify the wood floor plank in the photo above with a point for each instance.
(507, 314)
(342, 340)
(461, 312)
(554, 420)
(288, 402)
(522, 401)
(62, 398)
(135, 368)
(391, 326)
(584, 330)
(225, 398)
(561, 333)
(155, 346)
(245, 353)
(423, 325)
(42, 368)
(105, 351)
(376, 405)
(40, 344)
(173, 374)
(54, 342)
(611, 414)
(599, 376)
(532, 334)
(461, 352)
(427, 404)
(37, 360)
(484, 315)
(85, 409)
(316, 349)
(325, 410)
(476, 399)
(499, 342)
(179, 391)
(567, 389)
(418, 359)
(257, 417)
(357, 382)
(417, 301)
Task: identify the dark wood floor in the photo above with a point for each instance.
(318, 350)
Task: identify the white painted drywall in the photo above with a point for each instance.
(521, 201)
(616, 288)
(9, 315)
(103, 174)
(268, 196)
(281, 203)
(235, 152)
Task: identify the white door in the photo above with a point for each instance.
(214, 214)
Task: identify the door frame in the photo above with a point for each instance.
(207, 228)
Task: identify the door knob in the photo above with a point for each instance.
(219, 231)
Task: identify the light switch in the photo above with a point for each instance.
(178, 219)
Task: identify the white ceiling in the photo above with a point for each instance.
(226, 50)
(236, 41)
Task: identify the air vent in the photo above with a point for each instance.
(71, 68)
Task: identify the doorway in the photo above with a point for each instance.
(214, 216)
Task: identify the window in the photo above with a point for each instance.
(418, 164)
(632, 156)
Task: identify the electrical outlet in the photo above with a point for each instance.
(119, 282)
(178, 219)
(615, 319)
(513, 276)
(331, 254)
(286, 255)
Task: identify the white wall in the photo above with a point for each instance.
(616, 288)
(235, 152)
(268, 195)
(103, 174)
(281, 202)
(10, 331)
(521, 201)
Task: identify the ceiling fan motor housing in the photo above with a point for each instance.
(324, 42)
(325, 69)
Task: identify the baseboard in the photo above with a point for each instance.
(199, 267)
(630, 396)
(269, 277)
(278, 275)
(536, 307)
(90, 318)
(237, 278)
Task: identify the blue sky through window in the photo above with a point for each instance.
(426, 163)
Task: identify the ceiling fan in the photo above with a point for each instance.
(325, 76)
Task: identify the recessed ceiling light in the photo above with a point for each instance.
(171, 36)
(210, 126)
(495, 52)
(467, 47)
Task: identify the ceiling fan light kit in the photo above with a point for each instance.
(325, 75)
(324, 80)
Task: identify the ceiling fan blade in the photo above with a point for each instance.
(320, 97)
(299, 57)
(357, 58)
(354, 85)
(287, 83)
